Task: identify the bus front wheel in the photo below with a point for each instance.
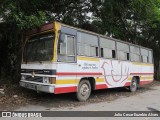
(84, 90)
(134, 85)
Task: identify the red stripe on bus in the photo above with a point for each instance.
(141, 73)
(77, 73)
(145, 82)
(127, 84)
(141, 83)
(65, 89)
(102, 86)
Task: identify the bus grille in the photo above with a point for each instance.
(34, 79)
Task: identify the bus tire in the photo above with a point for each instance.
(134, 85)
(84, 90)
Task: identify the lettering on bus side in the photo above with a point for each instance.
(87, 66)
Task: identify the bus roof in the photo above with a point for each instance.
(104, 36)
(42, 28)
(50, 25)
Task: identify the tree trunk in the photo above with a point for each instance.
(157, 69)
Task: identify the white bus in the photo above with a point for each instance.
(58, 58)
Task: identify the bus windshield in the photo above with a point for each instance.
(39, 48)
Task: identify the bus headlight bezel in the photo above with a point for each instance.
(46, 80)
(49, 80)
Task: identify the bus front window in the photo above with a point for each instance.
(39, 48)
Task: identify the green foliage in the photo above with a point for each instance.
(20, 15)
(126, 19)
(24, 14)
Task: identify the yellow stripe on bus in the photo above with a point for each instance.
(100, 80)
(130, 78)
(142, 64)
(142, 78)
(70, 81)
(87, 58)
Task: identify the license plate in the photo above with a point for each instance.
(30, 86)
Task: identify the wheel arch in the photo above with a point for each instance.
(137, 78)
(91, 80)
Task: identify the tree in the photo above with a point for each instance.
(19, 15)
(16, 16)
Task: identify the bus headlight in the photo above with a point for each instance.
(45, 79)
(49, 80)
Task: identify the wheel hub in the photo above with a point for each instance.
(84, 89)
(133, 83)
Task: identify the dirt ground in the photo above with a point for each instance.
(15, 97)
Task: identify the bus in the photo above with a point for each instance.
(59, 58)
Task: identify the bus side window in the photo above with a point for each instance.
(61, 44)
(97, 51)
(127, 56)
(102, 55)
(70, 45)
(87, 44)
(113, 54)
(107, 48)
(123, 51)
(135, 53)
(66, 48)
(150, 57)
(144, 55)
(144, 59)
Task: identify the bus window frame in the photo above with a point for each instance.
(98, 46)
(27, 38)
(75, 48)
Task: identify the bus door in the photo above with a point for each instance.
(67, 68)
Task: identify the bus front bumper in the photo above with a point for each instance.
(39, 87)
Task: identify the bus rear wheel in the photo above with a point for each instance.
(84, 90)
(134, 85)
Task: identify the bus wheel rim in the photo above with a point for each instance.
(134, 84)
(84, 90)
